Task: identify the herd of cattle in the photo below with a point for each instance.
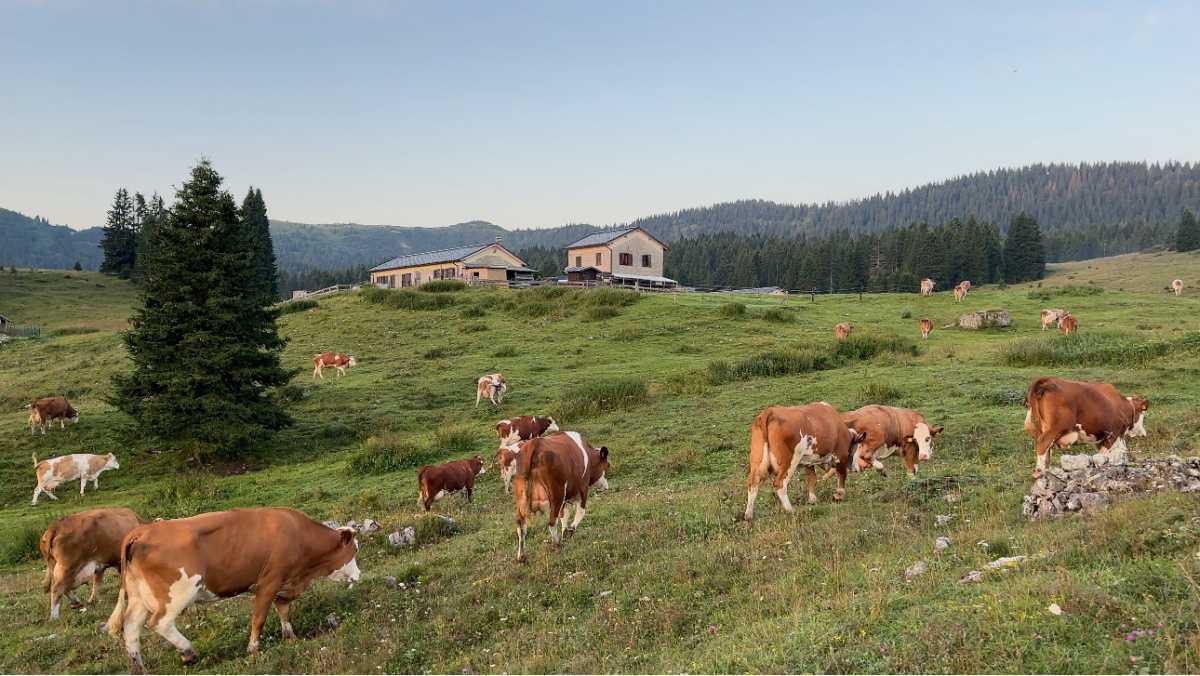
(276, 553)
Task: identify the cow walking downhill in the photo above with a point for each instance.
(435, 482)
(79, 548)
(551, 473)
(491, 386)
(927, 286)
(1177, 287)
(277, 553)
(926, 327)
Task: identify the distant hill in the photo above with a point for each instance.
(1096, 209)
(33, 242)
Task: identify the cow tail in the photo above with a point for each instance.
(46, 546)
(421, 485)
(758, 441)
(35, 460)
(1034, 399)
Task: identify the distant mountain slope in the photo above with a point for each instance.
(33, 242)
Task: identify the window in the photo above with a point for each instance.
(474, 274)
(626, 259)
(645, 260)
(579, 261)
(391, 282)
(406, 279)
(598, 255)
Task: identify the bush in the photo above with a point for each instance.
(435, 353)
(1091, 349)
(865, 346)
(777, 315)
(906, 314)
(600, 396)
(457, 440)
(599, 313)
(378, 458)
(1068, 291)
(405, 299)
(22, 546)
(74, 331)
(443, 286)
(506, 352)
(298, 306)
(472, 312)
(733, 310)
(607, 297)
(879, 393)
(186, 494)
(769, 365)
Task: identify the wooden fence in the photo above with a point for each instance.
(20, 330)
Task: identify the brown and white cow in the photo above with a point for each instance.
(926, 326)
(966, 286)
(80, 547)
(927, 286)
(435, 482)
(46, 410)
(491, 386)
(887, 429)
(83, 466)
(276, 552)
(960, 292)
(1050, 317)
(336, 360)
(1063, 412)
(525, 427)
(783, 438)
(1067, 324)
(551, 473)
(843, 331)
(1177, 287)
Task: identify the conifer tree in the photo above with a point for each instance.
(258, 229)
(1188, 236)
(1024, 257)
(120, 237)
(204, 347)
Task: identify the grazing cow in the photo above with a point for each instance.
(552, 472)
(437, 481)
(843, 330)
(83, 466)
(1067, 324)
(525, 427)
(1177, 287)
(888, 429)
(926, 286)
(506, 460)
(966, 286)
(926, 327)
(46, 410)
(335, 360)
(491, 386)
(785, 437)
(276, 552)
(80, 547)
(1050, 317)
(1063, 412)
(960, 292)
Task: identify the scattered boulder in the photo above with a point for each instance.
(370, 526)
(971, 577)
(916, 570)
(331, 524)
(390, 581)
(1071, 463)
(333, 621)
(1090, 483)
(1006, 562)
(985, 319)
(941, 543)
(942, 519)
(405, 538)
(450, 524)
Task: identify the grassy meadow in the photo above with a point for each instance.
(662, 575)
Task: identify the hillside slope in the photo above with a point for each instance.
(33, 242)
(661, 575)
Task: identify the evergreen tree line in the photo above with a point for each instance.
(892, 260)
(203, 343)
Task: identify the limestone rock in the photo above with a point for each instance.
(916, 570)
(985, 319)
(1071, 463)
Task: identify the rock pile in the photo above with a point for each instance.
(1089, 483)
(985, 319)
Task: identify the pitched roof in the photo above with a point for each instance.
(606, 236)
(439, 256)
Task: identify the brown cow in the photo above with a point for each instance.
(966, 286)
(525, 427)
(843, 330)
(960, 292)
(276, 552)
(335, 360)
(1067, 324)
(1063, 412)
(785, 437)
(887, 429)
(80, 547)
(927, 286)
(437, 481)
(83, 466)
(552, 472)
(926, 327)
(1177, 287)
(1050, 316)
(46, 410)
(491, 386)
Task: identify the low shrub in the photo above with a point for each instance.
(876, 392)
(377, 459)
(298, 306)
(1068, 291)
(600, 396)
(769, 365)
(456, 440)
(733, 310)
(599, 313)
(607, 297)
(184, 495)
(778, 315)
(405, 299)
(506, 352)
(1091, 349)
(21, 546)
(865, 346)
(435, 353)
(472, 312)
(74, 331)
(443, 286)
(906, 314)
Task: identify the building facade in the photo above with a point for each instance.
(630, 256)
(473, 263)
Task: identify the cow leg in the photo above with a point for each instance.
(758, 474)
(521, 540)
(97, 578)
(37, 490)
(135, 614)
(82, 483)
(96, 482)
(1045, 441)
(58, 588)
(579, 511)
(842, 466)
(478, 394)
(282, 606)
(781, 484)
(810, 481)
(262, 605)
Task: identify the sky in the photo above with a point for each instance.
(536, 114)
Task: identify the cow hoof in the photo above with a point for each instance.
(135, 666)
(1037, 474)
(569, 532)
(188, 657)
(839, 496)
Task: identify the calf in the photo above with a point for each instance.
(525, 427)
(843, 330)
(926, 286)
(887, 429)
(552, 472)
(83, 466)
(80, 547)
(1067, 324)
(926, 327)
(1050, 317)
(46, 410)
(1063, 412)
(336, 360)
(1177, 287)
(491, 386)
(785, 437)
(274, 552)
(437, 481)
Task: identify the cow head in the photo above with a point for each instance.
(922, 438)
(601, 482)
(345, 557)
(503, 428)
(476, 464)
(352, 361)
(112, 462)
(1140, 406)
(862, 458)
(553, 426)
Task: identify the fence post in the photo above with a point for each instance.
(860, 289)
(813, 295)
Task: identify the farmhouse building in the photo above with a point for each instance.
(473, 263)
(630, 256)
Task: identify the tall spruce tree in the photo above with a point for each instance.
(1187, 238)
(258, 229)
(204, 347)
(120, 237)
(1024, 256)
(150, 214)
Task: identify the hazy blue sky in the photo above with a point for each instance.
(536, 114)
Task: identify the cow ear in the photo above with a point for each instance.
(347, 534)
(604, 452)
(909, 439)
(933, 432)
